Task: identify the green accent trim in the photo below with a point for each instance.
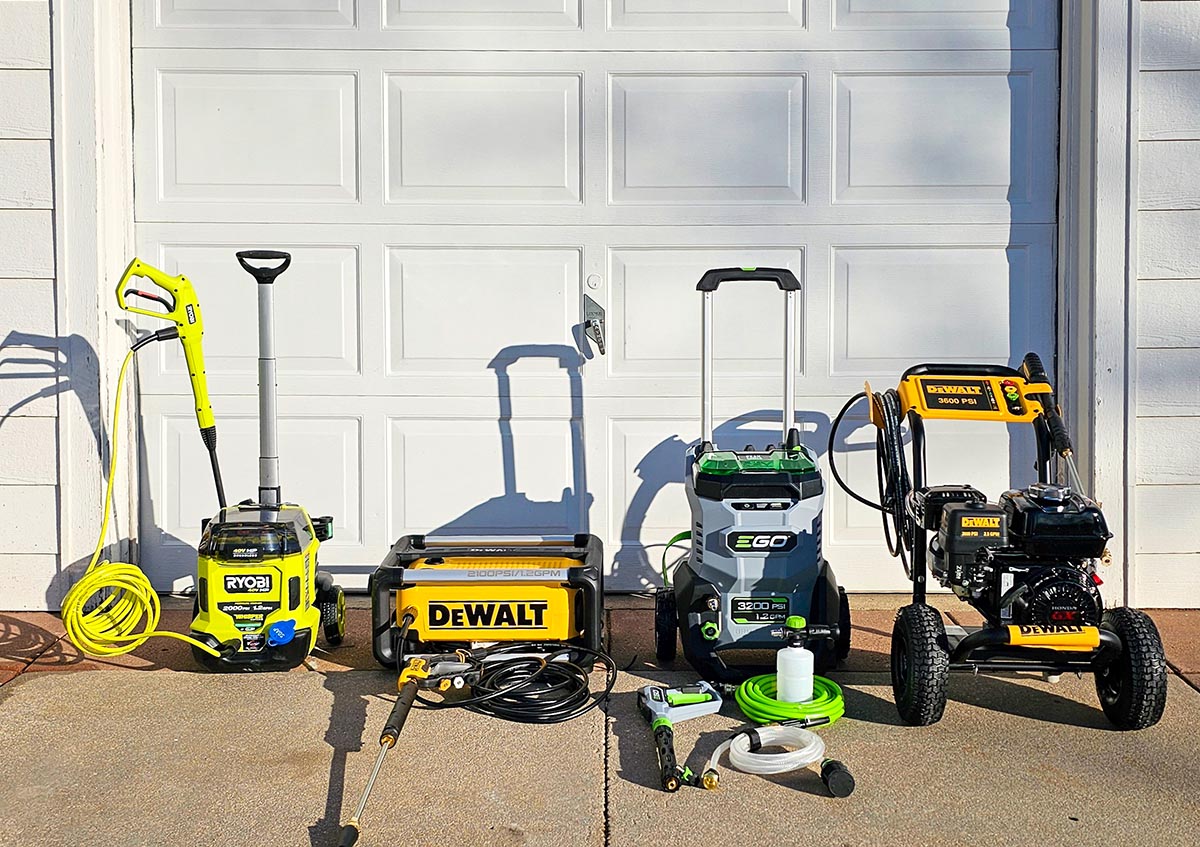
(682, 699)
(686, 535)
(795, 622)
(728, 462)
(710, 631)
(749, 270)
(661, 722)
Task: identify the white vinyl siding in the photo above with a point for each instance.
(1166, 567)
(30, 387)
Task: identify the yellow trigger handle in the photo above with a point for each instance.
(183, 310)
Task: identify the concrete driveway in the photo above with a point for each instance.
(181, 758)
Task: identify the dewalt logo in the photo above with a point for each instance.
(981, 523)
(489, 614)
(953, 389)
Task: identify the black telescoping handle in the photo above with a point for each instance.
(399, 714)
(664, 743)
(265, 275)
(782, 277)
(1032, 370)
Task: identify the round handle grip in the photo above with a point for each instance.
(1060, 438)
(265, 275)
(782, 277)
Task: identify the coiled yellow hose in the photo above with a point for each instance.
(128, 614)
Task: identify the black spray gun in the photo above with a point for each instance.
(663, 708)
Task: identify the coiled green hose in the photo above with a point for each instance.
(756, 698)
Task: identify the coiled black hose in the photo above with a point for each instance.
(891, 465)
(536, 684)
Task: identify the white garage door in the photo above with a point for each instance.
(453, 176)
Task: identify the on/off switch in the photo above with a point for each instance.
(1012, 396)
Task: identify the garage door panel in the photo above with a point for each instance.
(699, 140)
(481, 15)
(656, 311)
(898, 304)
(645, 25)
(914, 138)
(317, 314)
(455, 310)
(255, 136)
(705, 139)
(470, 138)
(251, 14)
(472, 476)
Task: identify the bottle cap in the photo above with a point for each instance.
(281, 633)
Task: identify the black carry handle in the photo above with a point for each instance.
(785, 279)
(1032, 370)
(395, 721)
(265, 276)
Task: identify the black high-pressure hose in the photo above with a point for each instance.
(534, 683)
(891, 465)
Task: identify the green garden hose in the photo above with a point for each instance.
(756, 698)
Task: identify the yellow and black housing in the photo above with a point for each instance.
(465, 591)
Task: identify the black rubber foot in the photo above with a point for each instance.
(837, 778)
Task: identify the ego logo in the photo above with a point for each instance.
(249, 583)
(761, 542)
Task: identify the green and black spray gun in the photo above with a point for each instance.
(663, 708)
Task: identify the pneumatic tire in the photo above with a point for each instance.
(1133, 685)
(843, 640)
(666, 624)
(920, 664)
(332, 605)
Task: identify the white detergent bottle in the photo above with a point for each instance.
(794, 665)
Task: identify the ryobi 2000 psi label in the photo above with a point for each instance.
(248, 616)
(759, 609)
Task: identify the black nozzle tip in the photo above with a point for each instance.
(349, 836)
(837, 778)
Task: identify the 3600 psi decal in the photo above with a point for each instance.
(760, 542)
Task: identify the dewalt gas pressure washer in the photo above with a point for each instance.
(1027, 563)
(756, 556)
(260, 599)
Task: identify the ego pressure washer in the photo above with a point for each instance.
(756, 556)
(1027, 563)
(260, 599)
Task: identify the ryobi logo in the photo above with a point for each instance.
(250, 583)
(466, 614)
(761, 542)
(191, 313)
(982, 523)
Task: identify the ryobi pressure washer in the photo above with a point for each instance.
(1027, 563)
(756, 555)
(260, 599)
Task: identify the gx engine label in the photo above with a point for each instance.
(759, 609)
(488, 614)
(248, 583)
(739, 541)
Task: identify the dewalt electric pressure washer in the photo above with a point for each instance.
(1027, 563)
(260, 599)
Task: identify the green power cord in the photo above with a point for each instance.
(756, 697)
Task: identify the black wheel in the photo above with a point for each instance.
(1133, 686)
(920, 664)
(666, 624)
(843, 641)
(333, 615)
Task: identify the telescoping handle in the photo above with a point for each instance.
(268, 436)
(789, 285)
